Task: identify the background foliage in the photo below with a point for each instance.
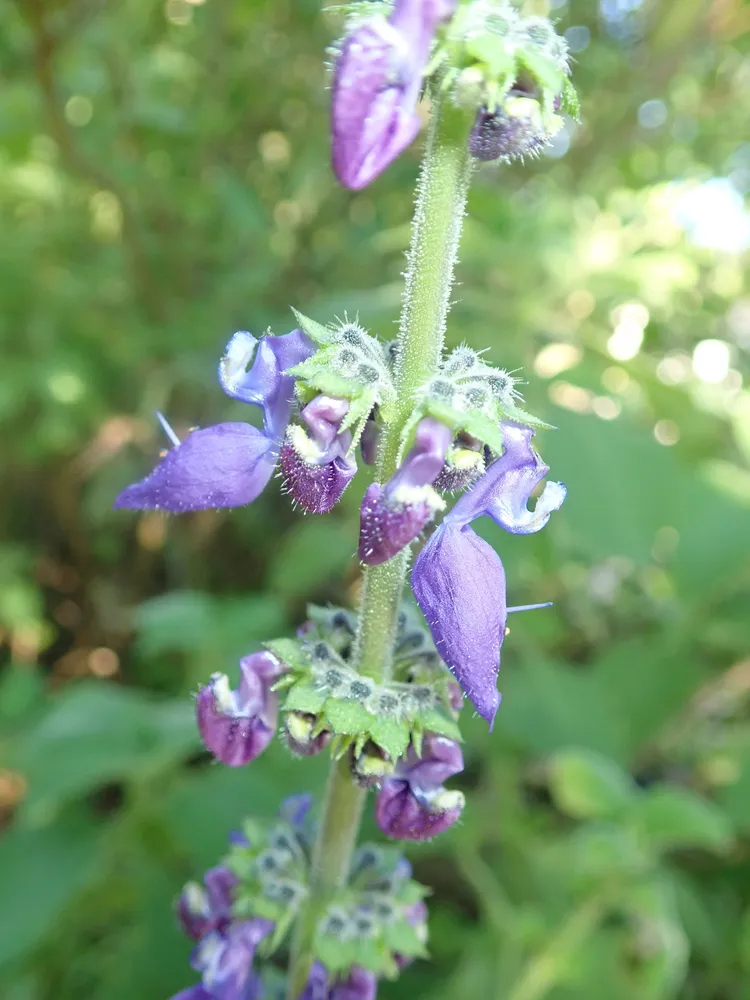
(163, 181)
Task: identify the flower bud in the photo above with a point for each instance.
(370, 766)
(298, 733)
(515, 130)
(393, 516)
(463, 466)
(237, 725)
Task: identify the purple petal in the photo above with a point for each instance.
(393, 516)
(237, 726)
(376, 87)
(459, 583)
(360, 984)
(265, 384)
(317, 984)
(314, 486)
(206, 908)
(323, 415)
(225, 961)
(294, 808)
(413, 804)
(227, 465)
(504, 490)
(193, 993)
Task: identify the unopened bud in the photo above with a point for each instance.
(300, 735)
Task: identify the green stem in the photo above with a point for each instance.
(436, 229)
(544, 971)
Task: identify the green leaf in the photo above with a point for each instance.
(289, 651)
(436, 721)
(309, 557)
(314, 330)
(347, 717)
(304, 698)
(587, 785)
(390, 734)
(670, 817)
(512, 412)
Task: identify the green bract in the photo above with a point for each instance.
(349, 364)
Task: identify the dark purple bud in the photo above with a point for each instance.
(514, 130)
(237, 725)
(227, 465)
(207, 907)
(360, 984)
(369, 441)
(413, 804)
(376, 87)
(299, 734)
(393, 516)
(225, 960)
(463, 466)
(316, 488)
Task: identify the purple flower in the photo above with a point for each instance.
(315, 464)
(376, 86)
(237, 726)
(458, 578)
(225, 959)
(229, 465)
(205, 908)
(360, 984)
(394, 515)
(413, 804)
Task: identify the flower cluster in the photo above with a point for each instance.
(327, 393)
(510, 71)
(240, 915)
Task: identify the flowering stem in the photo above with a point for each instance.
(438, 218)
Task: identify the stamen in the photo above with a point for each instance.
(166, 427)
(529, 607)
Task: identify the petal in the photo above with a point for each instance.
(323, 415)
(391, 517)
(194, 911)
(236, 732)
(220, 883)
(504, 490)
(315, 487)
(459, 583)
(441, 759)
(401, 816)
(227, 465)
(317, 984)
(360, 984)
(226, 960)
(265, 384)
(193, 993)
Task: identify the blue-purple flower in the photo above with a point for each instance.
(376, 87)
(226, 946)
(359, 984)
(229, 464)
(394, 515)
(412, 804)
(458, 578)
(316, 463)
(237, 725)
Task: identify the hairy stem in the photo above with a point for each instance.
(438, 217)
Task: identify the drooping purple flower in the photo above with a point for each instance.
(205, 908)
(413, 804)
(458, 578)
(394, 515)
(376, 86)
(237, 726)
(316, 465)
(229, 464)
(225, 960)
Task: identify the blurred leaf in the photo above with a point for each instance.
(588, 786)
(670, 817)
(310, 556)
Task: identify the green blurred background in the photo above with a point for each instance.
(163, 182)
